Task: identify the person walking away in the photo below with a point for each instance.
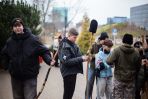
(104, 71)
(20, 56)
(71, 62)
(127, 63)
(91, 70)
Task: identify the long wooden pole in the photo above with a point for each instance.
(88, 62)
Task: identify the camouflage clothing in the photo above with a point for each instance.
(123, 90)
(127, 63)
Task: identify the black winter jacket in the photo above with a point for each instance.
(70, 57)
(21, 54)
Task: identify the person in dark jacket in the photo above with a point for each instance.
(71, 62)
(142, 77)
(127, 64)
(21, 57)
(91, 70)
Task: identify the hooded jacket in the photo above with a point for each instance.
(127, 62)
(21, 54)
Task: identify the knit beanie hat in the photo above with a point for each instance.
(128, 39)
(17, 21)
(108, 43)
(103, 36)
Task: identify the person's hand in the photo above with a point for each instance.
(85, 58)
(144, 61)
(90, 58)
(102, 66)
(52, 62)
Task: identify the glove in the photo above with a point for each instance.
(97, 72)
(102, 66)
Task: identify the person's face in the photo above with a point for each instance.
(144, 62)
(72, 38)
(102, 41)
(18, 28)
(107, 48)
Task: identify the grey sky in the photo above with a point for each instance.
(99, 9)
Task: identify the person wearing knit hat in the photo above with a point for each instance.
(17, 21)
(103, 36)
(21, 56)
(91, 70)
(17, 26)
(104, 71)
(127, 62)
(127, 39)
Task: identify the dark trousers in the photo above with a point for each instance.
(137, 94)
(69, 86)
(24, 89)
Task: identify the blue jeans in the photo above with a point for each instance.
(24, 89)
(90, 82)
(104, 87)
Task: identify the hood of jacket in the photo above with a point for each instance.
(26, 34)
(126, 48)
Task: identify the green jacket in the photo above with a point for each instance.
(127, 62)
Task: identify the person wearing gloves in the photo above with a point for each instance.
(91, 69)
(104, 71)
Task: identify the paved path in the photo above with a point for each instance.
(53, 88)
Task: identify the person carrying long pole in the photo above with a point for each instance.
(92, 30)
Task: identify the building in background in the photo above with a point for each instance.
(139, 16)
(116, 20)
(60, 17)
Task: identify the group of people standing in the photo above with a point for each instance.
(22, 50)
(125, 60)
(128, 64)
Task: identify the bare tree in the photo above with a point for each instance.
(43, 6)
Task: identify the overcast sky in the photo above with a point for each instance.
(99, 9)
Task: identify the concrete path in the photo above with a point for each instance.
(53, 88)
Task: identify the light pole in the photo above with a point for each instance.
(65, 21)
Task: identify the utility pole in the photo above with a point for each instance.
(65, 19)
